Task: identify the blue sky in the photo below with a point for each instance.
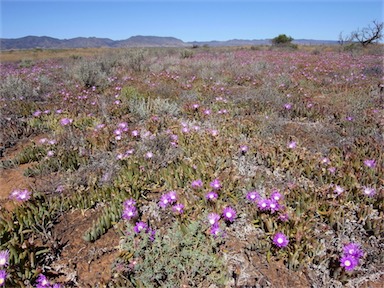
(187, 20)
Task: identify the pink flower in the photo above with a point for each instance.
(215, 184)
(211, 196)
(148, 155)
(215, 230)
(4, 258)
(229, 214)
(263, 204)
(20, 195)
(135, 133)
(276, 195)
(178, 208)
(197, 184)
(369, 191)
(3, 277)
(244, 149)
(353, 249)
(349, 262)
(371, 163)
(280, 240)
(292, 145)
(273, 206)
(66, 121)
(253, 196)
(172, 196)
(129, 212)
(213, 218)
(140, 226)
(338, 189)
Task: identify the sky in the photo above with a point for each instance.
(193, 20)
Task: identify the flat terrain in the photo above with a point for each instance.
(127, 154)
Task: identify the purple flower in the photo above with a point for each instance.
(284, 217)
(348, 262)
(3, 277)
(178, 208)
(273, 206)
(140, 226)
(117, 132)
(211, 196)
(229, 214)
(213, 218)
(215, 230)
(4, 258)
(332, 170)
(123, 126)
(214, 132)
(292, 145)
(371, 163)
(172, 196)
(42, 281)
(36, 113)
(152, 233)
(280, 240)
(50, 153)
(263, 204)
(369, 191)
(276, 195)
(129, 212)
(129, 202)
(164, 201)
(253, 196)
(148, 155)
(353, 249)
(135, 133)
(66, 121)
(207, 112)
(325, 160)
(215, 184)
(197, 184)
(20, 195)
(185, 130)
(338, 189)
(288, 106)
(244, 149)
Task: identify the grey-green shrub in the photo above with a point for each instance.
(184, 256)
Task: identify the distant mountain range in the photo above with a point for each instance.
(44, 42)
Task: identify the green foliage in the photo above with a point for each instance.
(282, 39)
(182, 256)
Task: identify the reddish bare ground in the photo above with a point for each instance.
(84, 264)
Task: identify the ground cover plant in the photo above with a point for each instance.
(204, 167)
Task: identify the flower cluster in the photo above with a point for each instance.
(121, 128)
(213, 220)
(351, 256)
(169, 199)
(271, 204)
